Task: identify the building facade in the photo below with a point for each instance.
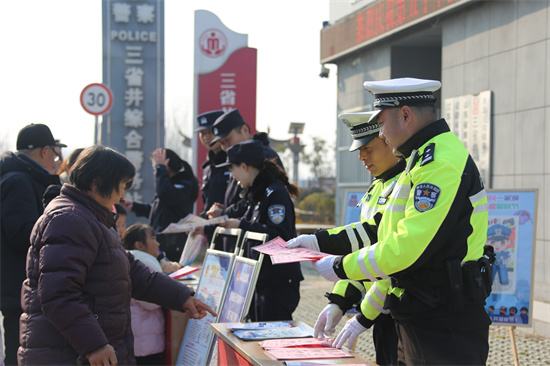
(493, 59)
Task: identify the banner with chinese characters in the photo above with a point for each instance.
(133, 68)
(377, 20)
(469, 117)
(511, 232)
(225, 76)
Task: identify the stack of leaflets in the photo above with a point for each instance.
(302, 349)
(271, 330)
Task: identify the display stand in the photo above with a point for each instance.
(226, 284)
(514, 346)
(198, 339)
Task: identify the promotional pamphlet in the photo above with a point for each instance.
(273, 333)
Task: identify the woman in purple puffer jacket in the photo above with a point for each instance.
(76, 298)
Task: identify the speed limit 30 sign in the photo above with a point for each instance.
(96, 99)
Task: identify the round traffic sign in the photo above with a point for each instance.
(96, 99)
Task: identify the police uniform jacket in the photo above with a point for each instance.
(348, 293)
(435, 219)
(22, 185)
(271, 211)
(235, 205)
(214, 180)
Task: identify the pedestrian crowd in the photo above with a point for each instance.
(77, 286)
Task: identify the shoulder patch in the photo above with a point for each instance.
(276, 213)
(426, 196)
(179, 186)
(428, 155)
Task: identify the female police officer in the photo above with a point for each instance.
(270, 210)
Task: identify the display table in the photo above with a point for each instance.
(234, 351)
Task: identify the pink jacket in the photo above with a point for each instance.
(148, 323)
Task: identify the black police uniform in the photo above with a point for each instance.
(214, 180)
(235, 204)
(270, 210)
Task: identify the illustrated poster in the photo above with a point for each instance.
(511, 232)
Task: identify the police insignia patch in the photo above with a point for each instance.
(276, 213)
(426, 196)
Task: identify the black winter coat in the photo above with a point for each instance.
(76, 297)
(22, 185)
(174, 198)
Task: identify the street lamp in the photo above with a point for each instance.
(296, 128)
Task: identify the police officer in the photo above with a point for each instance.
(230, 129)
(214, 180)
(377, 156)
(431, 237)
(270, 210)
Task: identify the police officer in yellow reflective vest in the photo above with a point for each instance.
(377, 156)
(431, 238)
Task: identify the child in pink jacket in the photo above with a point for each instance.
(148, 322)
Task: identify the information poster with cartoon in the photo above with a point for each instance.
(511, 232)
(352, 212)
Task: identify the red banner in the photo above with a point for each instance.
(231, 86)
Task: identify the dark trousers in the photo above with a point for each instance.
(156, 359)
(11, 335)
(384, 337)
(275, 303)
(451, 339)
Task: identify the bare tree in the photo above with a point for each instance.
(320, 158)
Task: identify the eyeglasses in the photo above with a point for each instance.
(58, 156)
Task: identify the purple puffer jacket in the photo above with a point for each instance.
(76, 297)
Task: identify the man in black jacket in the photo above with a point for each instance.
(24, 177)
(214, 180)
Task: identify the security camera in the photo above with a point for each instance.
(324, 72)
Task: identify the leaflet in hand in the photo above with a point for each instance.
(190, 222)
(183, 272)
(279, 253)
(273, 333)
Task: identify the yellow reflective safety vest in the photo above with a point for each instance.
(349, 293)
(436, 217)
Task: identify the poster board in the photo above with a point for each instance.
(240, 290)
(351, 211)
(512, 229)
(196, 348)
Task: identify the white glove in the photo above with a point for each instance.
(324, 266)
(304, 241)
(327, 320)
(350, 331)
